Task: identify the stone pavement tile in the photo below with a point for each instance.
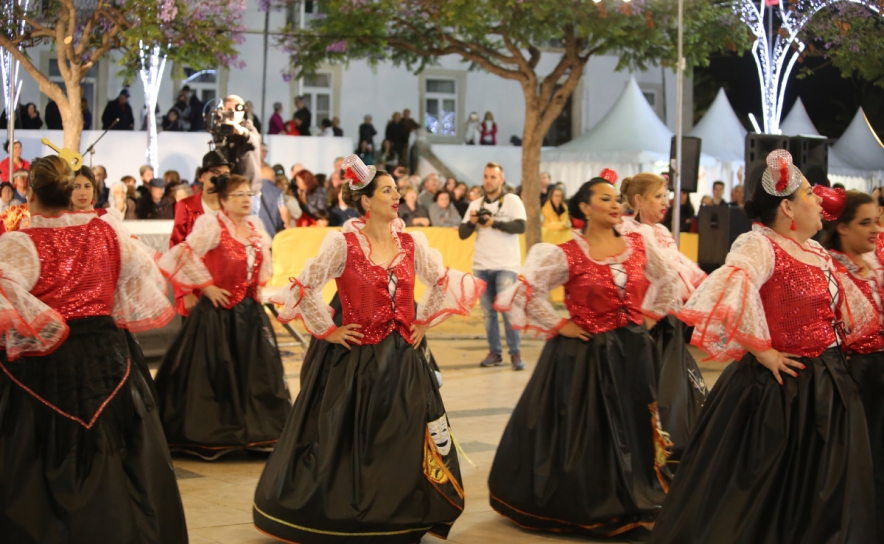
(241, 533)
(200, 512)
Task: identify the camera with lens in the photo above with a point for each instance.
(219, 121)
(483, 215)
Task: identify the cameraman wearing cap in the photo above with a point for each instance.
(239, 141)
(499, 219)
(189, 209)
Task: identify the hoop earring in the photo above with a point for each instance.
(793, 226)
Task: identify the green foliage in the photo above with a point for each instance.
(488, 33)
(851, 37)
(200, 33)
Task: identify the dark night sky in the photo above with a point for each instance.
(830, 99)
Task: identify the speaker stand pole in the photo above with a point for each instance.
(679, 109)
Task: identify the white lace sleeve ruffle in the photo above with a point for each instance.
(662, 297)
(689, 273)
(859, 316)
(266, 271)
(527, 301)
(26, 323)
(449, 292)
(140, 301)
(726, 309)
(183, 264)
(303, 298)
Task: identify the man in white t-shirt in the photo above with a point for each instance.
(498, 220)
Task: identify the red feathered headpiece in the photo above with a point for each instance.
(834, 201)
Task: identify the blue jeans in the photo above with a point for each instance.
(497, 280)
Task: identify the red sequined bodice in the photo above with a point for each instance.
(874, 341)
(79, 268)
(365, 295)
(592, 297)
(798, 306)
(228, 263)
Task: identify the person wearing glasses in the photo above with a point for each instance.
(242, 146)
(189, 209)
(220, 385)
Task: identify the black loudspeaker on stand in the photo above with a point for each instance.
(809, 153)
(690, 163)
(718, 227)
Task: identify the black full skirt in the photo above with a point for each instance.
(61, 482)
(221, 384)
(681, 390)
(583, 451)
(774, 464)
(318, 349)
(868, 372)
(356, 463)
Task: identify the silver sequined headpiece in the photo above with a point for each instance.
(356, 173)
(781, 177)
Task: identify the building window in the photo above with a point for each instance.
(203, 82)
(440, 106)
(90, 89)
(317, 93)
(651, 97)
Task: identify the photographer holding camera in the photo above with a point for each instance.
(237, 138)
(499, 219)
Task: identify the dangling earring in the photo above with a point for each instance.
(367, 214)
(793, 226)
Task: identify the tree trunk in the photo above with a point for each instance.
(532, 140)
(72, 115)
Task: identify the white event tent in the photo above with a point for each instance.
(630, 138)
(858, 155)
(722, 137)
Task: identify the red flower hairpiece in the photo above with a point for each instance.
(833, 201)
(351, 175)
(609, 175)
(783, 182)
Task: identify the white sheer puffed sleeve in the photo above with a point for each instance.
(27, 325)
(527, 301)
(689, 273)
(857, 314)
(183, 264)
(303, 297)
(449, 292)
(140, 301)
(662, 296)
(726, 309)
(266, 271)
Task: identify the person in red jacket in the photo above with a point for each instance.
(187, 210)
(488, 130)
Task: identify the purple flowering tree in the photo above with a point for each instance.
(201, 33)
(850, 37)
(510, 38)
(777, 26)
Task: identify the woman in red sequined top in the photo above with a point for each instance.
(780, 453)
(367, 455)
(583, 451)
(79, 435)
(221, 384)
(851, 241)
(681, 390)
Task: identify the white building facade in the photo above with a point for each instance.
(353, 91)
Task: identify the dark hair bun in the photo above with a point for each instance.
(352, 198)
(751, 209)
